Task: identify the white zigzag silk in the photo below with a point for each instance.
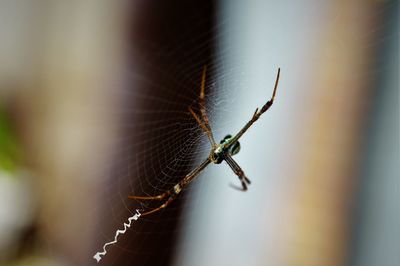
(98, 255)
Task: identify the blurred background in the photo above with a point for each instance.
(93, 108)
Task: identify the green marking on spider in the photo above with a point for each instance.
(218, 154)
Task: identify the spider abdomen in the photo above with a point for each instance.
(218, 154)
(234, 149)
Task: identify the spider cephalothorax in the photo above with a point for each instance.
(217, 155)
(223, 151)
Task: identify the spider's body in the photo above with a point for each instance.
(223, 151)
(217, 155)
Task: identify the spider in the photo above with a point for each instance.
(223, 151)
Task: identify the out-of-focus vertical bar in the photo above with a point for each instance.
(328, 170)
(376, 223)
(66, 125)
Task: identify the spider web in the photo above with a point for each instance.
(159, 141)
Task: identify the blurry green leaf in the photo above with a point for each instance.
(9, 146)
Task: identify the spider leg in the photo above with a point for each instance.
(256, 114)
(165, 204)
(203, 105)
(205, 124)
(198, 120)
(204, 127)
(173, 193)
(238, 171)
(158, 197)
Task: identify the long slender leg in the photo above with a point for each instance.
(192, 175)
(165, 204)
(203, 106)
(158, 197)
(256, 114)
(238, 171)
(202, 125)
(175, 191)
(205, 124)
